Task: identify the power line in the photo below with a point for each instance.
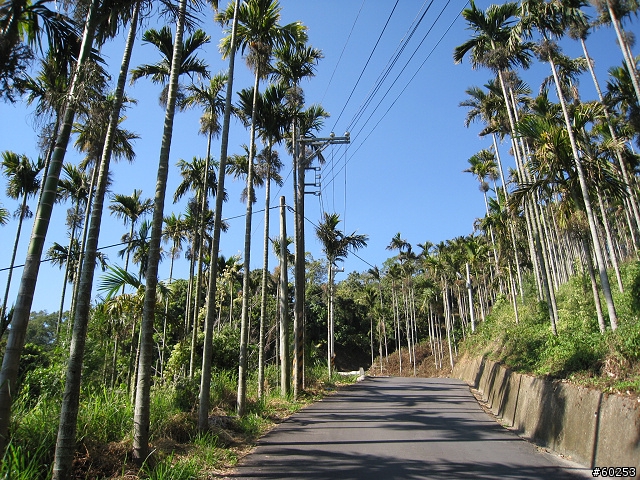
(390, 64)
(342, 53)
(407, 84)
(397, 97)
(366, 64)
(105, 247)
(415, 51)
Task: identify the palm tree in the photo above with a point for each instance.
(160, 72)
(305, 123)
(23, 182)
(91, 135)
(138, 245)
(142, 403)
(483, 165)
(271, 121)
(382, 331)
(260, 32)
(551, 20)
(174, 232)
(336, 246)
(74, 186)
(48, 92)
(231, 14)
(69, 256)
(198, 175)
(22, 25)
(4, 215)
(211, 99)
(130, 208)
(294, 62)
(614, 11)
(66, 441)
(270, 163)
(494, 45)
(621, 98)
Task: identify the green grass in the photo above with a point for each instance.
(105, 416)
(173, 468)
(19, 463)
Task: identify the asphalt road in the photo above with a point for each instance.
(399, 428)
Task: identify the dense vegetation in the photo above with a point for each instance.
(547, 283)
(579, 353)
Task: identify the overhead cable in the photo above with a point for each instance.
(366, 64)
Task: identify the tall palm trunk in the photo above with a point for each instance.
(22, 310)
(265, 273)
(142, 404)
(448, 321)
(330, 354)
(205, 381)
(50, 148)
(298, 321)
(633, 202)
(535, 256)
(81, 256)
(511, 226)
(23, 207)
(67, 268)
(66, 441)
(610, 243)
(604, 279)
(628, 58)
(197, 299)
(244, 321)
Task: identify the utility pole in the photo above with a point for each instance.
(302, 160)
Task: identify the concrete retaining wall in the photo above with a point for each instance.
(595, 429)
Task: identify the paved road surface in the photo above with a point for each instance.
(399, 428)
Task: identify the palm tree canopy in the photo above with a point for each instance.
(21, 173)
(493, 44)
(163, 40)
(4, 215)
(192, 174)
(335, 244)
(258, 29)
(23, 24)
(210, 98)
(130, 207)
(74, 185)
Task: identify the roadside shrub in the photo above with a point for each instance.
(626, 340)
(578, 351)
(185, 391)
(179, 358)
(223, 388)
(225, 348)
(43, 381)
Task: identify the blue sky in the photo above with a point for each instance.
(402, 172)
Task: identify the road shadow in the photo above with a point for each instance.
(354, 435)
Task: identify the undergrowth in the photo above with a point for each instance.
(580, 353)
(180, 451)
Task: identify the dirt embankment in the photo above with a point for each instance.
(426, 364)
